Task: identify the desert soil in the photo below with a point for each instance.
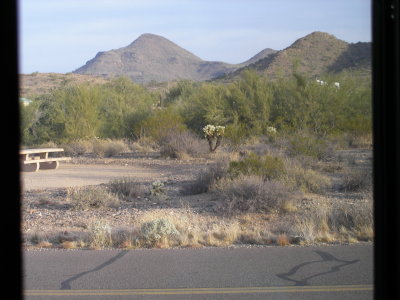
(46, 210)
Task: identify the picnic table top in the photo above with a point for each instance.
(40, 150)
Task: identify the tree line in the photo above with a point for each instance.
(121, 109)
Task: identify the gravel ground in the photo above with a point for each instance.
(47, 209)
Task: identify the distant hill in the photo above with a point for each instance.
(263, 54)
(313, 55)
(155, 58)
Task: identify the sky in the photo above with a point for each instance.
(62, 35)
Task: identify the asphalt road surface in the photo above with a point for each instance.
(328, 272)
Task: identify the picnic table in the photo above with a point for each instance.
(34, 159)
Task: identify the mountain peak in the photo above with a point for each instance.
(316, 37)
(153, 57)
(147, 37)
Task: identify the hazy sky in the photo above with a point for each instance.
(61, 35)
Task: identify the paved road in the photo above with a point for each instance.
(331, 272)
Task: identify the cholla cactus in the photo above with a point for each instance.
(271, 130)
(212, 133)
(157, 188)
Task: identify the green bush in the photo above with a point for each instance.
(236, 136)
(154, 231)
(161, 125)
(99, 234)
(307, 144)
(266, 166)
(308, 180)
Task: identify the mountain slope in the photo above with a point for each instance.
(262, 54)
(152, 57)
(314, 54)
(155, 58)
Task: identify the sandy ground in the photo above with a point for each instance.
(77, 174)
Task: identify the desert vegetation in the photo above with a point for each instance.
(283, 164)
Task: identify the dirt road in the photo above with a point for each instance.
(69, 174)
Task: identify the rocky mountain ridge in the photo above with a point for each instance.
(155, 58)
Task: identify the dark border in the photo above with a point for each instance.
(386, 132)
(10, 220)
(386, 129)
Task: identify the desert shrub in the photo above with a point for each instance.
(78, 147)
(308, 144)
(99, 234)
(207, 178)
(115, 147)
(268, 167)
(126, 188)
(99, 147)
(154, 231)
(49, 144)
(84, 198)
(182, 143)
(236, 136)
(352, 216)
(161, 125)
(108, 148)
(254, 194)
(355, 180)
(144, 144)
(307, 180)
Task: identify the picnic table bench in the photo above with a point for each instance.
(34, 159)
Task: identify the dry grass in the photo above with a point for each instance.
(127, 188)
(349, 222)
(109, 148)
(182, 145)
(91, 197)
(78, 147)
(254, 194)
(44, 244)
(198, 230)
(355, 180)
(69, 245)
(282, 240)
(307, 180)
